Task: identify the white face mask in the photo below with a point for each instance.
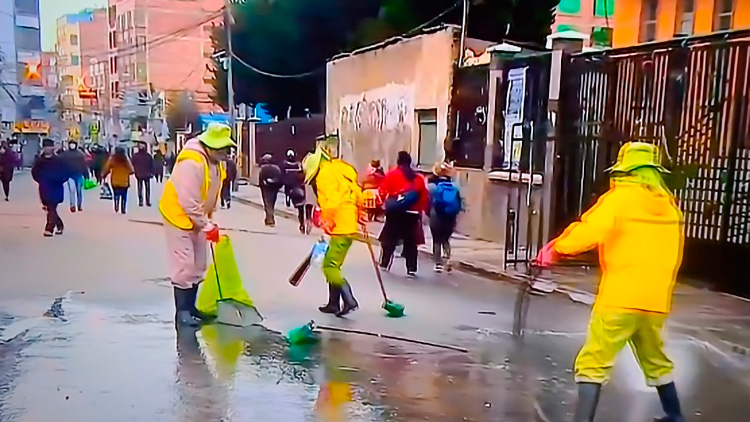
(72, 146)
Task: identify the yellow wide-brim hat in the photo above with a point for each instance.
(311, 163)
(635, 155)
(217, 136)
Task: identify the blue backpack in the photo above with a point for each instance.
(446, 200)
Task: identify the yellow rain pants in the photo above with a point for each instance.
(609, 331)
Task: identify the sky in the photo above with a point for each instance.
(50, 10)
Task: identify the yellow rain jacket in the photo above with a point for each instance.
(339, 196)
(640, 236)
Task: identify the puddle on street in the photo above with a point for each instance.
(103, 364)
(100, 365)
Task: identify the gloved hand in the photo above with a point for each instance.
(547, 256)
(212, 232)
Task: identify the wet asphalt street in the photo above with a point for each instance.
(108, 349)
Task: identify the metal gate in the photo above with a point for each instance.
(521, 135)
(688, 96)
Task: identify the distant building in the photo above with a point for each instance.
(591, 17)
(22, 97)
(160, 45)
(640, 21)
(81, 44)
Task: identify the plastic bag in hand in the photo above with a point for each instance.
(319, 251)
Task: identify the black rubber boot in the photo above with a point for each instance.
(670, 403)
(334, 299)
(193, 310)
(350, 303)
(588, 400)
(182, 316)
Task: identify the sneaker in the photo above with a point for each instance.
(80, 209)
(438, 268)
(411, 274)
(449, 266)
(6, 199)
(73, 209)
(48, 234)
(59, 231)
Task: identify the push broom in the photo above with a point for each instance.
(393, 309)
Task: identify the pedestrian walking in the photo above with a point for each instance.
(75, 159)
(339, 198)
(189, 200)
(227, 185)
(170, 162)
(143, 164)
(120, 167)
(294, 187)
(373, 203)
(51, 173)
(271, 181)
(445, 205)
(159, 166)
(8, 162)
(638, 230)
(98, 161)
(406, 197)
(291, 168)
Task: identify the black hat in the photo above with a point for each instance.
(46, 142)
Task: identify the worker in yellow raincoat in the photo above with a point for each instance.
(639, 232)
(339, 196)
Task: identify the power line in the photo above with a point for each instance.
(274, 75)
(158, 40)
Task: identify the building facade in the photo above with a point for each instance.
(81, 43)
(159, 46)
(640, 21)
(592, 17)
(21, 71)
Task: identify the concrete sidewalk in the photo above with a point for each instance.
(728, 316)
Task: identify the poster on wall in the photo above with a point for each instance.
(514, 114)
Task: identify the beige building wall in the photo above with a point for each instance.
(374, 96)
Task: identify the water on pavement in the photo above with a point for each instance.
(86, 334)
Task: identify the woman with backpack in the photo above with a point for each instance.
(445, 205)
(406, 198)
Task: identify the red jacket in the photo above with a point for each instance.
(395, 183)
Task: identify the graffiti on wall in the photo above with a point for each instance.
(388, 108)
(376, 123)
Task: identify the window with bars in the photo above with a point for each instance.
(428, 137)
(604, 8)
(649, 12)
(723, 14)
(685, 21)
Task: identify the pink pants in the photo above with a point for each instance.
(187, 256)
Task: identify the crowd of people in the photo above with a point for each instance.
(57, 170)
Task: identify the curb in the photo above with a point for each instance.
(465, 266)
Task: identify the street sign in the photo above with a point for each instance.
(86, 93)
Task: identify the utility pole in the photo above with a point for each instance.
(464, 29)
(230, 55)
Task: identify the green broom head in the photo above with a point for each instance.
(303, 335)
(394, 310)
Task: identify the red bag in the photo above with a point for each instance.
(316, 217)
